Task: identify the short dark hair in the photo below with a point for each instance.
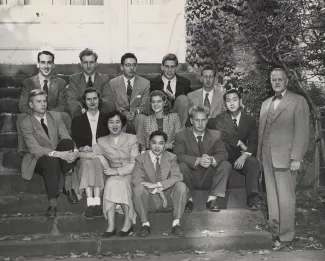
(90, 90)
(46, 53)
(112, 114)
(170, 57)
(231, 91)
(128, 55)
(88, 52)
(164, 97)
(158, 133)
(34, 93)
(208, 67)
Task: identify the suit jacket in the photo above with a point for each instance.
(37, 141)
(81, 131)
(116, 93)
(217, 104)
(247, 132)
(144, 170)
(56, 100)
(187, 150)
(78, 84)
(289, 133)
(171, 125)
(183, 85)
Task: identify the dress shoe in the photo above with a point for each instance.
(144, 232)
(109, 234)
(89, 213)
(250, 203)
(176, 231)
(51, 212)
(124, 234)
(189, 206)
(213, 205)
(98, 211)
(71, 195)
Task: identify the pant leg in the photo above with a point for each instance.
(65, 145)
(66, 120)
(49, 168)
(178, 195)
(188, 177)
(22, 148)
(138, 122)
(181, 107)
(74, 109)
(251, 171)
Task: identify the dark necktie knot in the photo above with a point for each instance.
(235, 124)
(45, 127)
(46, 87)
(129, 91)
(169, 88)
(277, 96)
(158, 170)
(90, 82)
(199, 138)
(206, 100)
(200, 145)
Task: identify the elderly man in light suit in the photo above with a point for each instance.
(50, 150)
(130, 93)
(283, 142)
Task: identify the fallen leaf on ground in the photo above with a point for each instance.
(26, 238)
(264, 252)
(206, 232)
(221, 231)
(165, 234)
(188, 259)
(314, 209)
(17, 215)
(107, 254)
(156, 253)
(198, 252)
(140, 253)
(74, 236)
(6, 238)
(258, 227)
(117, 257)
(37, 237)
(203, 258)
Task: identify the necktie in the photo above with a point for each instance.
(277, 96)
(158, 170)
(206, 100)
(90, 82)
(200, 143)
(45, 87)
(129, 91)
(235, 124)
(45, 127)
(169, 88)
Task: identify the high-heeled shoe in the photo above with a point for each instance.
(124, 234)
(109, 234)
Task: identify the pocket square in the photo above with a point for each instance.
(139, 96)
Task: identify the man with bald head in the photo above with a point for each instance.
(283, 142)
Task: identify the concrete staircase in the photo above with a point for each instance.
(25, 231)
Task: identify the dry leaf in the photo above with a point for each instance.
(26, 238)
(203, 258)
(198, 252)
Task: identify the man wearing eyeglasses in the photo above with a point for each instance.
(130, 94)
(79, 82)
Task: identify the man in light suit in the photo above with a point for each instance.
(50, 150)
(202, 159)
(158, 184)
(130, 93)
(175, 86)
(283, 142)
(79, 82)
(208, 95)
(53, 86)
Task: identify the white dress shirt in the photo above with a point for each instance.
(237, 118)
(126, 82)
(172, 84)
(91, 76)
(277, 101)
(93, 121)
(39, 119)
(209, 97)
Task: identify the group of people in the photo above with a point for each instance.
(137, 146)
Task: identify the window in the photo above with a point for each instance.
(148, 2)
(52, 2)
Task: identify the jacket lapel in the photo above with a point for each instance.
(53, 88)
(36, 82)
(86, 124)
(135, 90)
(206, 141)
(149, 168)
(215, 99)
(283, 103)
(39, 129)
(51, 127)
(121, 89)
(193, 142)
(96, 81)
(165, 166)
(264, 112)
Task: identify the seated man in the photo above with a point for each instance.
(208, 95)
(53, 86)
(130, 93)
(175, 86)
(239, 133)
(79, 82)
(202, 159)
(158, 184)
(50, 150)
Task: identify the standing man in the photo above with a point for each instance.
(79, 82)
(174, 85)
(130, 93)
(202, 159)
(50, 150)
(239, 134)
(283, 142)
(54, 88)
(158, 184)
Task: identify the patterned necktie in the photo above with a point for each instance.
(235, 124)
(277, 96)
(129, 91)
(90, 82)
(45, 87)
(169, 88)
(206, 100)
(158, 170)
(45, 127)
(200, 143)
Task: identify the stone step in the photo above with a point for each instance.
(44, 245)
(8, 122)
(10, 93)
(9, 106)
(8, 140)
(9, 160)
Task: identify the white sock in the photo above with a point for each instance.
(97, 201)
(146, 224)
(90, 202)
(175, 222)
(190, 199)
(211, 198)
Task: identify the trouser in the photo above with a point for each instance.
(145, 202)
(213, 178)
(136, 126)
(50, 168)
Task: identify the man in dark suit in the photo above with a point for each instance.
(158, 184)
(239, 133)
(174, 85)
(50, 150)
(53, 86)
(202, 159)
(130, 94)
(79, 82)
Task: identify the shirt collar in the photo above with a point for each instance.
(93, 117)
(154, 157)
(92, 77)
(42, 79)
(39, 118)
(238, 117)
(126, 81)
(195, 135)
(205, 92)
(165, 80)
